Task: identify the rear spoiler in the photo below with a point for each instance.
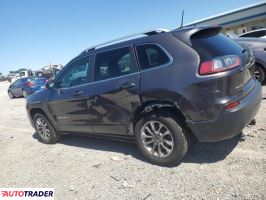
(186, 34)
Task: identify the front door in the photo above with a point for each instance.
(66, 104)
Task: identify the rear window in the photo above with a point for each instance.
(210, 46)
(151, 55)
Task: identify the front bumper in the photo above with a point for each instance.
(231, 122)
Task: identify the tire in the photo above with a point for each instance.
(10, 95)
(24, 93)
(259, 73)
(40, 74)
(177, 136)
(46, 132)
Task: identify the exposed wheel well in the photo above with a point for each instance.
(173, 111)
(34, 111)
(259, 64)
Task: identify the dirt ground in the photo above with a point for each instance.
(87, 168)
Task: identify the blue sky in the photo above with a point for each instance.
(34, 33)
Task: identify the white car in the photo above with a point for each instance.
(21, 74)
(259, 33)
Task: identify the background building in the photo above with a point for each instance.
(238, 21)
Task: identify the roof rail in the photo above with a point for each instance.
(125, 38)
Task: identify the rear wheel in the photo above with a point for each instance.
(40, 74)
(161, 138)
(45, 130)
(10, 95)
(259, 73)
(24, 93)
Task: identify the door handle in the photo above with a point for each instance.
(127, 85)
(78, 93)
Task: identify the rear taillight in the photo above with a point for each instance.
(30, 84)
(219, 64)
(231, 105)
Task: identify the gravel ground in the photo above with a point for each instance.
(87, 168)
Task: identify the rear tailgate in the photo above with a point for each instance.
(209, 43)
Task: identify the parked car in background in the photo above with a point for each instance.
(259, 33)
(55, 73)
(10, 76)
(3, 78)
(22, 74)
(26, 86)
(258, 48)
(160, 89)
(48, 71)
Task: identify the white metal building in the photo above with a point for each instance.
(238, 21)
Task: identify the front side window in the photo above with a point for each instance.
(114, 63)
(76, 75)
(151, 55)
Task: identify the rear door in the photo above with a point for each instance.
(115, 92)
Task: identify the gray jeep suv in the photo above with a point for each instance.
(158, 88)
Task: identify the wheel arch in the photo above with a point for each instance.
(261, 65)
(170, 107)
(157, 105)
(35, 110)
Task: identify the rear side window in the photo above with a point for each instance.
(214, 45)
(151, 55)
(114, 63)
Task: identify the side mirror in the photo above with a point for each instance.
(49, 85)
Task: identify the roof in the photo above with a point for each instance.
(126, 38)
(227, 13)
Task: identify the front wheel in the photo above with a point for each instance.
(161, 138)
(10, 95)
(45, 130)
(40, 74)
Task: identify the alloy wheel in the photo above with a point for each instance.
(42, 128)
(259, 74)
(157, 139)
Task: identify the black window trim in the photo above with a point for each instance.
(171, 60)
(131, 51)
